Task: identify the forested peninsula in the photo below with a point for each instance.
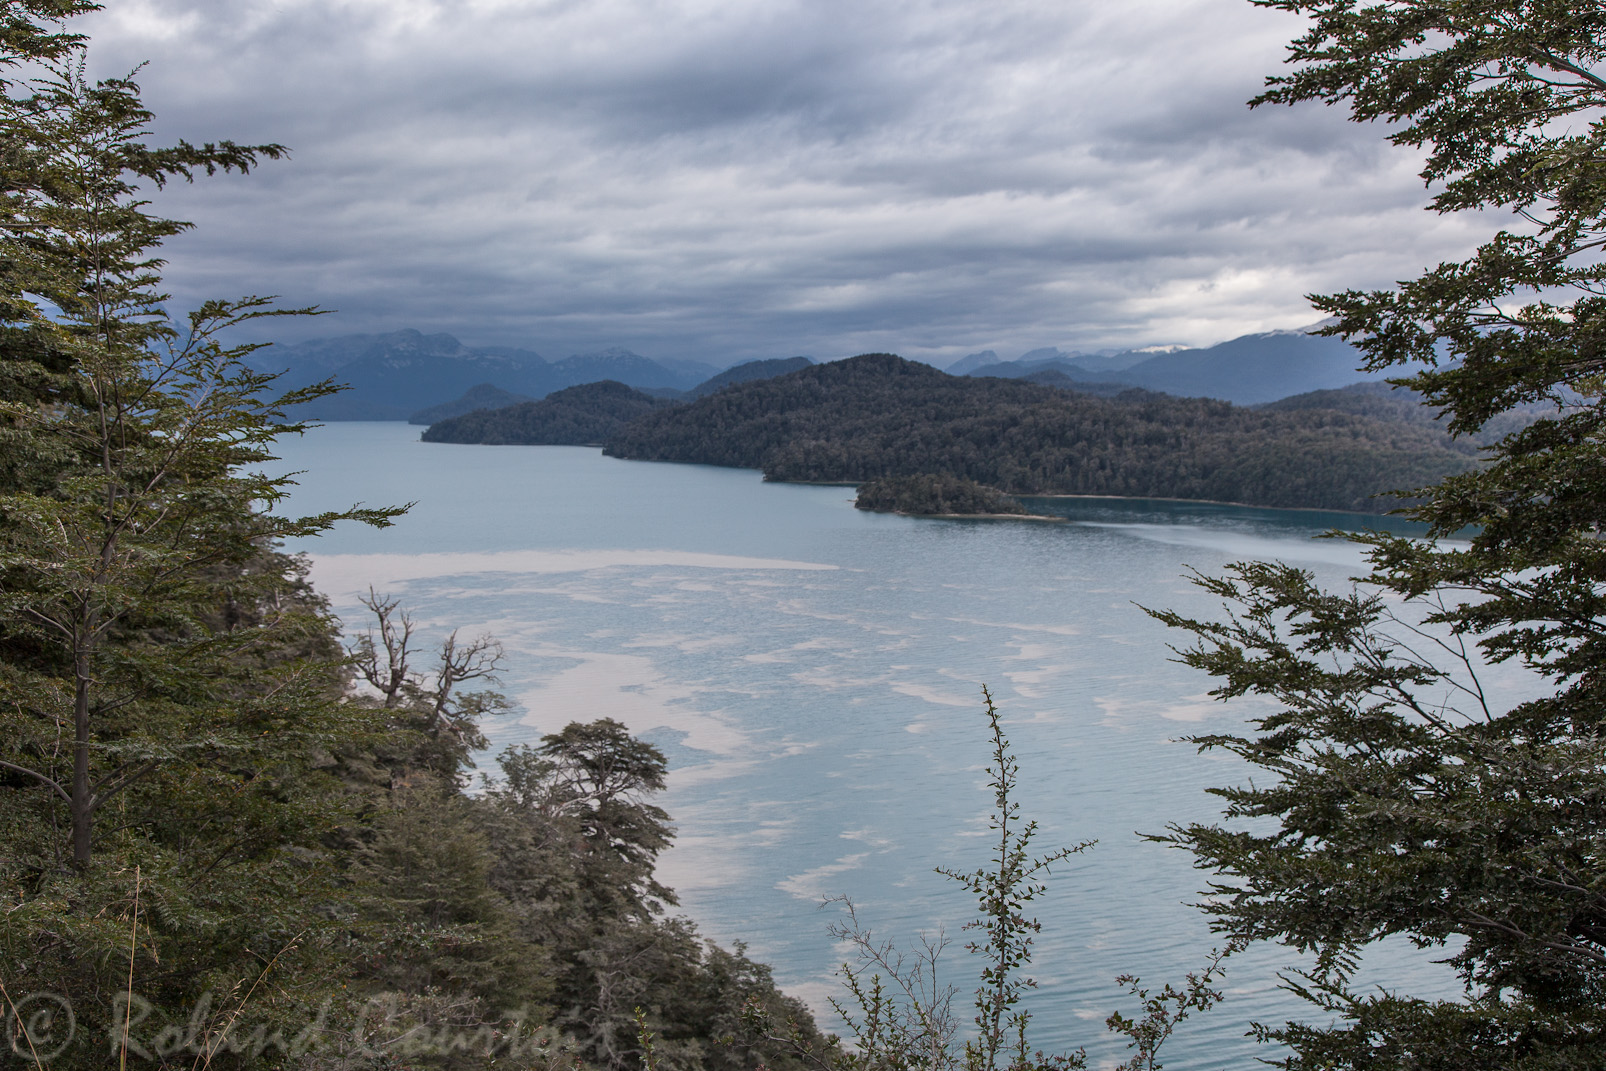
(878, 415)
(587, 415)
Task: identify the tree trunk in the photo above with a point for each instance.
(81, 804)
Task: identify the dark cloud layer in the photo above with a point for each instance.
(720, 179)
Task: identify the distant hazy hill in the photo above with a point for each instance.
(622, 366)
(1246, 371)
(1382, 401)
(579, 416)
(1096, 363)
(1387, 402)
(479, 396)
(1068, 370)
(969, 363)
(748, 371)
(878, 415)
(1251, 369)
(689, 371)
(1055, 377)
(1099, 364)
(395, 375)
(322, 356)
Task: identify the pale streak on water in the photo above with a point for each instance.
(813, 675)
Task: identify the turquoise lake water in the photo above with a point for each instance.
(814, 673)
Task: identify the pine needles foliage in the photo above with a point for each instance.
(1402, 800)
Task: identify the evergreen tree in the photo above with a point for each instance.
(215, 851)
(1404, 800)
(165, 675)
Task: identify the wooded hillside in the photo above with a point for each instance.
(586, 415)
(879, 415)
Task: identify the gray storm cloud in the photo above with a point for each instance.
(723, 180)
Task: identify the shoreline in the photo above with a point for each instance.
(1056, 495)
(973, 516)
(1382, 514)
(1209, 502)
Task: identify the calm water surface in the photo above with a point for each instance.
(814, 675)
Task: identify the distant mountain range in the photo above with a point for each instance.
(410, 375)
(1248, 370)
(393, 376)
(1048, 355)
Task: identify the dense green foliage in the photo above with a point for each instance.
(156, 705)
(217, 852)
(878, 415)
(933, 495)
(1403, 798)
(586, 415)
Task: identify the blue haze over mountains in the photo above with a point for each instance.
(401, 374)
(1249, 370)
(394, 375)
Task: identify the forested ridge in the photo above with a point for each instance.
(586, 415)
(1400, 404)
(879, 415)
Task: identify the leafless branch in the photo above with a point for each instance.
(36, 775)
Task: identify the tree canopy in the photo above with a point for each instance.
(218, 851)
(1404, 800)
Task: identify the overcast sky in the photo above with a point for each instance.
(730, 179)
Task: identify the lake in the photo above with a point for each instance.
(814, 674)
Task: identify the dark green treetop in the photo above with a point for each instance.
(33, 30)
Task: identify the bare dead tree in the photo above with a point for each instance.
(393, 629)
(479, 659)
(431, 700)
